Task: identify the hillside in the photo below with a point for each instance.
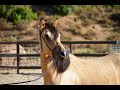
(94, 23)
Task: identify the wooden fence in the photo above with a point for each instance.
(18, 55)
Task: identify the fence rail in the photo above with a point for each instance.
(18, 55)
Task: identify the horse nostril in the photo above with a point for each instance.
(62, 54)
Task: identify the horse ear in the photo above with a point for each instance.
(55, 22)
(41, 23)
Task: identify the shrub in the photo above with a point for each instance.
(115, 18)
(22, 13)
(61, 9)
(6, 10)
(16, 14)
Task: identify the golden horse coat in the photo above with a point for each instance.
(68, 69)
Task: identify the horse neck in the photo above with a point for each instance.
(46, 66)
(44, 61)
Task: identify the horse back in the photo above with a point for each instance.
(103, 70)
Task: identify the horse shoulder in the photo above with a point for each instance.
(69, 78)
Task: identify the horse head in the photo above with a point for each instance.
(51, 45)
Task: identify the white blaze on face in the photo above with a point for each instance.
(59, 42)
(49, 34)
(58, 39)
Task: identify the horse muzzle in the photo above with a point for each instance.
(61, 55)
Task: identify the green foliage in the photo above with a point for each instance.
(5, 11)
(61, 9)
(16, 14)
(22, 13)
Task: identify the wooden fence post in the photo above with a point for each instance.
(70, 47)
(18, 58)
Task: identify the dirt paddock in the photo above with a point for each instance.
(10, 76)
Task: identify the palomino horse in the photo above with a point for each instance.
(11, 49)
(66, 69)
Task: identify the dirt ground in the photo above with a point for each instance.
(10, 76)
(25, 75)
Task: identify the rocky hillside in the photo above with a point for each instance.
(94, 23)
